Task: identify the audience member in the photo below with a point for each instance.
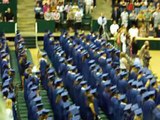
(124, 18)
(47, 15)
(38, 11)
(9, 16)
(133, 31)
(114, 28)
(142, 30)
(115, 14)
(78, 19)
(88, 4)
(151, 30)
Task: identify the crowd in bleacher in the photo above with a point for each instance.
(93, 73)
(7, 85)
(144, 15)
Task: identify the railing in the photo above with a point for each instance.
(36, 36)
(15, 28)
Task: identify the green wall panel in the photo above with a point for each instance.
(7, 27)
(45, 25)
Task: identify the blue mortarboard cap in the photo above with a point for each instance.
(59, 91)
(5, 84)
(37, 99)
(33, 95)
(87, 88)
(11, 95)
(51, 77)
(5, 76)
(74, 109)
(5, 90)
(3, 51)
(64, 94)
(92, 66)
(145, 95)
(39, 113)
(45, 111)
(122, 74)
(44, 54)
(77, 117)
(51, 70)
(138, 111)
(152, 81)
(93, 91)
(149, 77)
(61, 59)
(127, 107)
(28, 63)
(9, 79)
(57, 80)
(109, 60)
(113, 88)
(130, 81)
(122, 97)
(20, 47)
(72, 67)
(140, 71)
(142, 89)
(30, 84)
(69, 59)
(39, 105)
(139, 84)
(34, 88)
(4, 55)
(107, 83)
(66, 104)
(150, 93)
(83, 82)
(12, 70)
(91, 62)
(117, 51)
(104, 75)
(110, 49)
(79, 78)
(37, 72)
(134, 83)
(134, 107)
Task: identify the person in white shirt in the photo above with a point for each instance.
(114, 28)
(124, 18)
(133, 31)
(102, 21)
(9, 111)
(78, 19)
(123, 41)
(88, 7)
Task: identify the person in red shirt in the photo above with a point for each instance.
(130, 7)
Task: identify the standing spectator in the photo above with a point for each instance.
(115, 14)
(56, 18)
(143, 31)
(60, 9)
(124, 66)
(8, 16)
(143, 6)
(1, 17)
(70, 20)
(137, 5)
(88, 7)
(123, 41)
(140, 18)
(151, 30)
(123, 5)
(78, 19)
(102, 21)
(124, 18)
(114, 28)
(45, 7)
(158, 31)
(151, 7)
(47, 15)
(156, 18)
(67, 8)
(147, 17)
(134, 46)
(38, 11)
(130, 6)
(132, 18)
(133, 31)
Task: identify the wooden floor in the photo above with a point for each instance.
(155, 63)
